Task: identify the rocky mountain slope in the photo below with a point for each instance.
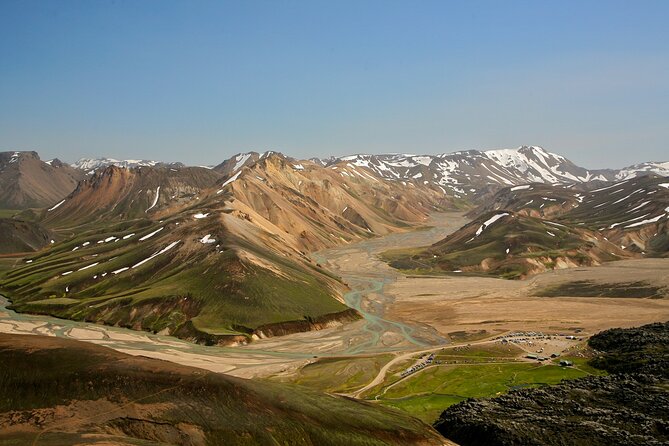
(119, 194)
(233, 164)
(627, 407)
(474, 173)
(311, 207)
(64, 392)
(28, 182)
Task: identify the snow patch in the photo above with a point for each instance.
(490, 221)
(240, 161)
(147, 236)
(644, 222)
(156, 254)
(207, 239)
(228, 181)
(155, 199)
(89, 266)
(55, 206)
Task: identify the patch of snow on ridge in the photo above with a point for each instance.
(207, 239)
(120, 270)
(155, 200)
(200, 215)
(240, 161)
(523, 187)
(628, 221)
(298, 167)
(228, 181)
(151, 234)
(490, 221)
(89, 266)
(55, 206)
(156, 254)
(650, 220)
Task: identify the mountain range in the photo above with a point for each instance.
(460, 174)
(471, 173)
(223, 255)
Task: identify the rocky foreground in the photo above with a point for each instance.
(630, 406)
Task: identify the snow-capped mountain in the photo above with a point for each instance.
(91, 164)
(472, 172)
(638, 170)
(461, 174)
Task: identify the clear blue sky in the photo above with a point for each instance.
(197, 81)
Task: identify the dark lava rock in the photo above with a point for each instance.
(625, 408)
(596, 410)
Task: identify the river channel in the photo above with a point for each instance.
(357, 264)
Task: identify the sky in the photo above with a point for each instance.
(199, 81)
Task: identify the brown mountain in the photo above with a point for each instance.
(116, 193)
(28, 182)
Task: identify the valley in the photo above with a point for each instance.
(403, 316)
(333, 276)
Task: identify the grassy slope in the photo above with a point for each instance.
(145, 401)
(480, 371)
(194, 290)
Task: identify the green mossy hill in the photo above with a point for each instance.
(62, 392)
(161, 277)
